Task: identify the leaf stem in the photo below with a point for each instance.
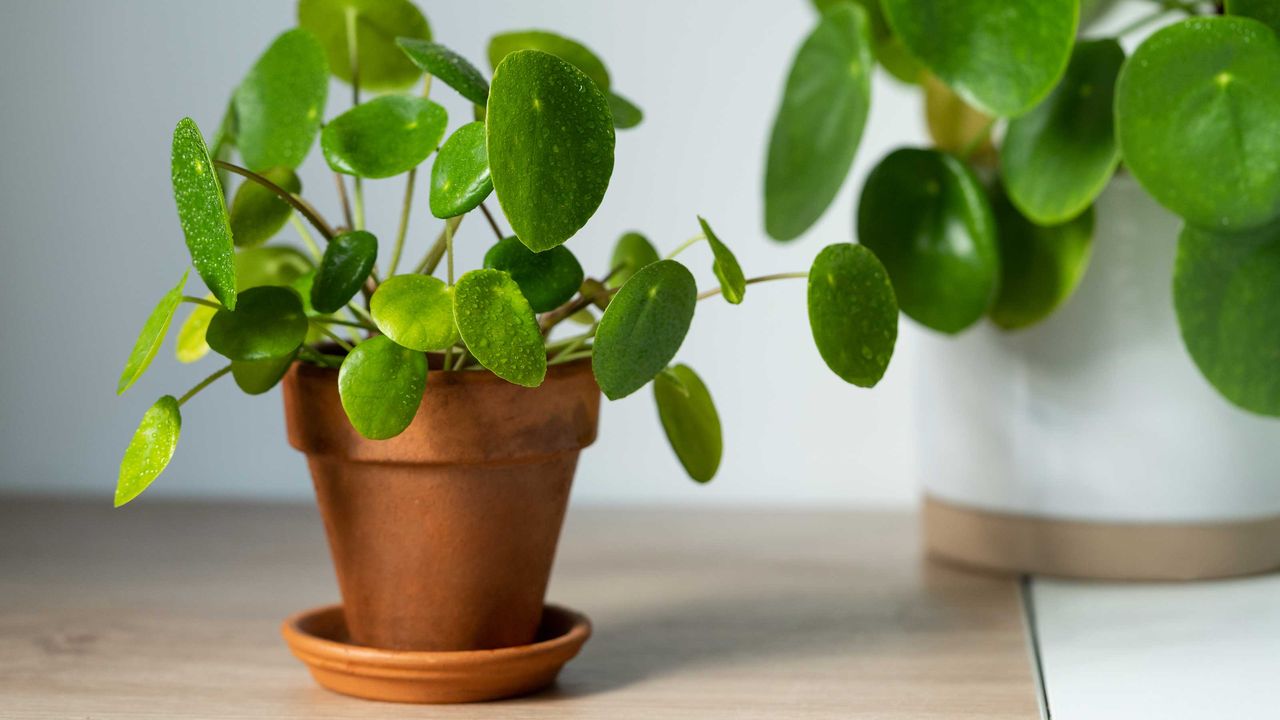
(315, 323)
(555, 317)
(760, 279)
(202, 301)
(686, 245)
(297, 202)
(571, 357)
(432, 259)
(344, 323)
(319, 358)
(358, 194)
(497, 231)
(404, 219)
(448, 249)
(305, 234)
(342, 198)
(202, 385)
(571, 343)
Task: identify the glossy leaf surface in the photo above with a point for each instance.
(460, 175)
(1040, 266)
(690, 421)
(273, 265)
(257, 214)
(416, 311)
(643, 327)
(343, 270)
(150, 449)
(889, 50)
(449, 67)
(386, 136)
(568, 50)
(151, 337)
(632, 252)
(378, 23)
(499, 326)
(256, 377)
(202, 210)
(1264, 11)
(547, 279)
(733, 284)
(280, 104)
(270, 322)
(381, 384)
(853, 313)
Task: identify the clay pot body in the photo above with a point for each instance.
(443, 537)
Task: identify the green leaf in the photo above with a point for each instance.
(1226, 290)
(280, 104)
(416, 311)
(733, 284)
(152, 335)
(450, 67)
(190, 343)
(1002, 57)
(269, 323)
(499, 326)
(202, 210)
(256, 377)
(643, 327)
(889, 50)
(276, 265)
(1040, 266)
(383, 137)
(550, 141)
(1198, 120)
(257, 214)
(625, 113)
(381, 64)
(570, 51)
(460, 175)
(547, 279)
(690, 420)
(1057, 158)
(343, 270)
(954, 124)
(381, 386)
(150, 449)
(927, 218)
(853, 313)
(1265, 11)
(819, 123)
(633, 252)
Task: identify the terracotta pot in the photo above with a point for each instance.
(443, 537)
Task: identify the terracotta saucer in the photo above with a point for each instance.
(318, 638)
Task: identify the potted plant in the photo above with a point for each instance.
(1064, 428)
(441, 411)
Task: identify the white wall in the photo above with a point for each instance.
(90, 241)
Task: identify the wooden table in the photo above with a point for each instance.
(171, 611)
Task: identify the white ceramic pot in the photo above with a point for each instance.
(1089, 445)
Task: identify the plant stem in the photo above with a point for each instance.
(319, 358)
(404, 219)
(202, 301)
(462, 359)
(492, 223)
(978, 138)
(305, 234)
(361, 315)
(202, 385)
(432, 259)
(359, 204)
(331, 334)
(686, 245)
(570, 357)
(754, 280)
(353, 58)
(344, 323)
(555, 317)
(342, 197)
(298, 203)
(572, 343)
(448, 249)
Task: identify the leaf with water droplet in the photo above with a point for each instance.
(633, 251)
(499, 326)
(150, 449)
(852, 313)
(567, 49)
(643, 327)
(386, 136)
(447, 66)
(547, 279)
(343, 270)
(202, 210)
(280, 104)
(381, 384)
(733, 284)
(257, 214)
(690, 421)
(1265, 11)
(152, 335)
(269, 323)
(416, 311)
(460, 174)
(380, 62)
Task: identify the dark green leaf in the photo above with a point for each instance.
(632, 252)
(819, 123)
(1265, 11)
(386, 136)
(416, 311)
(258, 376)
(1198, 120)
(269, 323)
(1002, 57)
(1226, 289)
(547, 279)
(450, 67)
(381, 64)
(625, 113)
(853, 313)
(733, 284)
(343, 270)
(690, 420)
(460, 175)
(499, 326)
(927, 218)
(257, 214)
(381, 386)
(280, 104)
(570, 51)
(202, 210)
(1040, 266)
(150, 449)
(1057, 158)
(643, 327)
(152, 335)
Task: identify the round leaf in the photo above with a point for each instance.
(381, 64)
(280, 104)
(450, 67)
(1198, 120)
(460, 175)
(381, 386)
(1057, 158)
(1226, 289)
(343, 270)
(499, 327)
(275, 265)
(416, 311)
(927, 218)
(190, 345)
(625, 113)
(1040, 266)
(547, 279)
(386, 136)
(643, 327)
(257, 214)
(733, 284)
(1265, 11)
(570, 51)
(202, 210)
(690, 420)
(269, 323)
(633, 251)
(550, 142)
(819, 124)
(152, 335)
(889, 50)
(1002, 57)
(852, 313)
(150, 449)
(258, 376)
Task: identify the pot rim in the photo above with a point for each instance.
(480, 376)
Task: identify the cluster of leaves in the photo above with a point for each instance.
(542, 144)
(968, 229)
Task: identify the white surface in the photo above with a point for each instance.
(1204, 651)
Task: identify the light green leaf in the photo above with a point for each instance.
(690, 420)
(383, 137)
(150, 449)
(626, 114)
(550, 142)
(1265, 11)
(460, 175)
(450, 67)
(280, 104)
(853, 313)
(274, 265)
(381, 64)
(633, 251)
(819, 123)
(546, 279)
(381, 385)
(499, 326)
(202, 210)
(152, 335)
(570, 51)
(953, 123)
(343, 270)
(269, 323)
(416, 311)
(643, 327)
(257, 214)
(256, 377)
(1040, 266)
(733, 284)
(190, 344)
